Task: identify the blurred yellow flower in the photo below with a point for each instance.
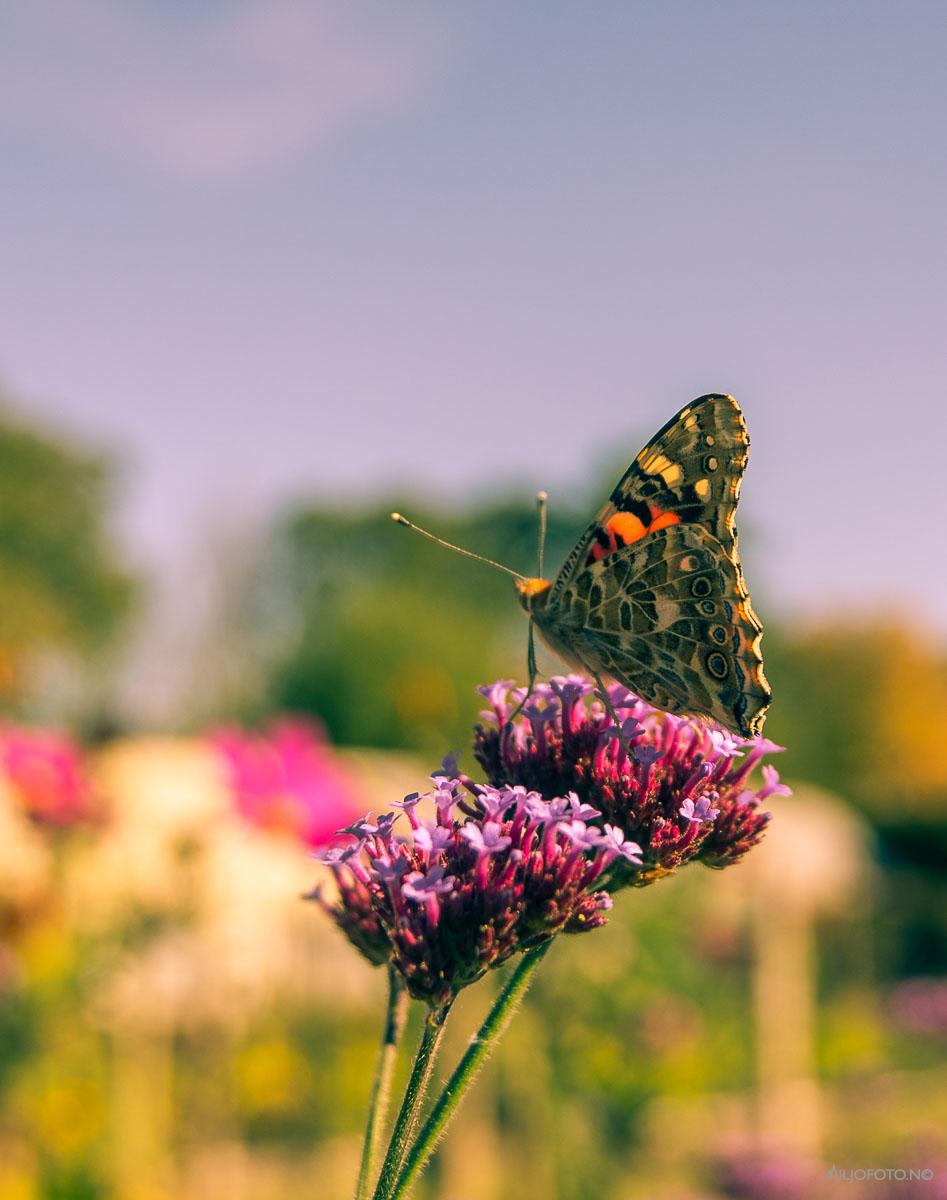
(269, 1076)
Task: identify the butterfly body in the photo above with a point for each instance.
(653, 595)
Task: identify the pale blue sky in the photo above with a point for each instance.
(267, 250)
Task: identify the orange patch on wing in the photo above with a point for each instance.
(625, 526)
(662, 520)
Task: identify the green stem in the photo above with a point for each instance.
(381, 1085)
(410, 1112)
(466, 1071)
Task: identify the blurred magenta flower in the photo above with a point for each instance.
(287, 779)
(47, 774)
(919, 1005)
(762, 1176)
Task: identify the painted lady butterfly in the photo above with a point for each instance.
(653, 595)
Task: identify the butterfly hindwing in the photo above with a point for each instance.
(665, 617)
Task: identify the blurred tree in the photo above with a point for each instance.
(862, 707)
(62, 590)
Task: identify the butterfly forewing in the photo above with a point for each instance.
(653, 593)
(690, 471)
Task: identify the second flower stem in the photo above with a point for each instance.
(466, 1071)
(410, 1111)
(381, 1087)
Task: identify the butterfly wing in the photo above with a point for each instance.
(689, 473)
(666, 617)
(679, 496)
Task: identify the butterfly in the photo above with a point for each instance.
(653, 595)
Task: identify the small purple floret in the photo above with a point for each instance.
(614, 842)
(390, 870)
(366, 827)
(449, 765)
(725, 743)
(423, 887)
(431, 839)
(582, 836)
(580, 811)
(570, 688)
(486, 838)
(771, 784)
(338, 854)
(629, 727)
(698, 811)
(496, 801)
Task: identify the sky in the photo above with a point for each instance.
(266, 251)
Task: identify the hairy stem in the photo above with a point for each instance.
(481, 1044)
(410, 1111)
(381, 1085)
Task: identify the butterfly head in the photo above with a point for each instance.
(533, 593)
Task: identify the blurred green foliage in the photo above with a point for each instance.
(388, 635)
(862, 706)
(650, 1017)
(63, 589)
(385, 638)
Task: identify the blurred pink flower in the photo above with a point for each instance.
(46, 771)
(919, 1005)
(287, 779)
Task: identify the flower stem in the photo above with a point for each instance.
(481, 1044)
(381, 1085)
(410, 1111)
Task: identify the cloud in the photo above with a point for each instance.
(214, 92)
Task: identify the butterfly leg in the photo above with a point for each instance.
(532, 671)
(610, 709)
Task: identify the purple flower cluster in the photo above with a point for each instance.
(494, 871)
(576, 807)
(679, 787)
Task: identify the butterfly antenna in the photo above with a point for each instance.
(541, 501)
(531, 667)
(400, 520)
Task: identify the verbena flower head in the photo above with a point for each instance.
(287, 779)
(495, 871)
(46, 770)
(575, 808)
(682, 793)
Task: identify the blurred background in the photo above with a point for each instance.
(270, 270)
